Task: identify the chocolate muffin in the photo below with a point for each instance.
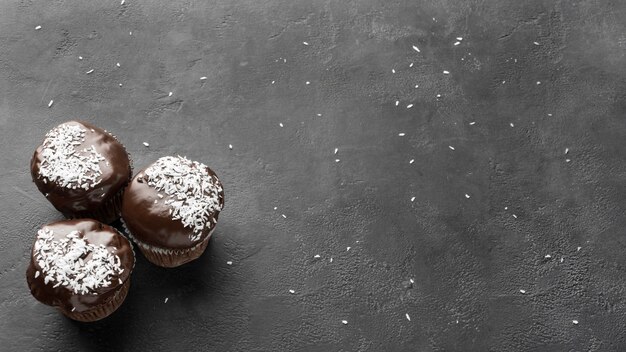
(82, 267)
(82, 170)
(171, 208)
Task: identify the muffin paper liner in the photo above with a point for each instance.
(103, 310)
(169, 258)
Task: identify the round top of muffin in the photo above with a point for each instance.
(173, 203)
(78, 167)
(78, 263)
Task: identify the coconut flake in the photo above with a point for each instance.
(66, 165)
(194, 195)
(73, 263)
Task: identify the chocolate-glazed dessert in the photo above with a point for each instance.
(82, 170)
(82, 267)
(171, 208)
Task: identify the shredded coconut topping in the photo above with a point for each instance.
(72, 262)
(194, 195)
(64, 164)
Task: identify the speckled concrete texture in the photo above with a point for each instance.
(518, 154)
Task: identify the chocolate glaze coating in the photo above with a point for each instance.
(76, 203)
(151, 222)
(95, 233)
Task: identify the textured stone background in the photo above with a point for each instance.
(469, 257)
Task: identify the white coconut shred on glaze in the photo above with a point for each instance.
(194, 195)
(66, 165)
(63, 261)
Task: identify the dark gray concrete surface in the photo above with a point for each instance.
(468, 257)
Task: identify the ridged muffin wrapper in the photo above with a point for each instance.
(170, 258)
(104, 310)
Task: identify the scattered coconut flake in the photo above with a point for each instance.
(273, 82)
(348, 248)
(280, 124)
(194, 194)
(566, 150)
(459, 38)
(548, 256)
(37, 273)
(117, 64)
(451, 147)
(38, 28)
(467, 196)
(337, 160)
(446, 72)
(438, 95)
(130, 33)
(229, 262)
(331, 260)
(71, 261)
(122, 2)
(284, 216)
(230, 146)
(344, 322)
(567, 160)
(305, 43)
(401, 134)
(397, 102)
(316, 256)
(307, 82)
(80, 58)
(412, 199)
(515, 216)
(409, 106)
(575, 322)
(120, 84)
(146, 144)
(417, 86)
(512, 125)
(578, 248)
(472, 123)
(275, 208)
(408, 317)
(336, 150)
(456, 43)
(538, 82)
(411, 64)
(411, 161)
(166, 298)
(393, 70)
(292, 291)
(416, 49)
(562, 259)
(50, 103)
(90, 71)
(169, 94)
(203, 78)
(412, 281)
(522, 291)
(319, 115)
(64, 164)
(536, 43)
